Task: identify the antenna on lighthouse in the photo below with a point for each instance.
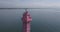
(26, 9)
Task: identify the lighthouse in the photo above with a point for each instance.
(26, 19)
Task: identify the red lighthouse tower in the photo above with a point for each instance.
(26, 21)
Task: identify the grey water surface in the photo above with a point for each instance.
(44, 20)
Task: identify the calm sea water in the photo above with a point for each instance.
(44, 20)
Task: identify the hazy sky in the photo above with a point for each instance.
(29, 3)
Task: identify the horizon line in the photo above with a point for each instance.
(26, 8)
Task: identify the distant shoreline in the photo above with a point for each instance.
(28, 8)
